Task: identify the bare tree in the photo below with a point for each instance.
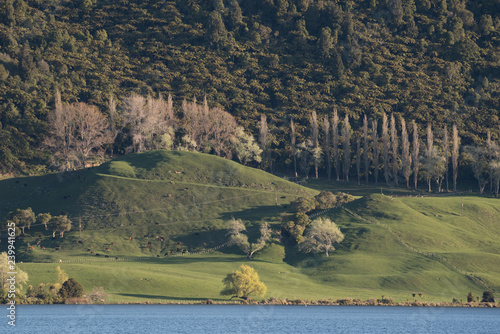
(394, 142)
(328, 148)
(113, 120)
(406, 156)
(293, 140)
(376, 153)
(92, 130)
(135, 115)
(415, 154)
(365, 148)
(386, 146)
(446, 152)
(313, 120)
(335, 142)
(346, 140)
(61, 135)
(454, 156)
(223, 127)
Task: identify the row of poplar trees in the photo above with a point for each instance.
(399, 156)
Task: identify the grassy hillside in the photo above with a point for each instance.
(161, 193)
(393, 247)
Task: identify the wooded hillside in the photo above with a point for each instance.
(425, 60)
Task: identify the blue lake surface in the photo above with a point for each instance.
(110, 319)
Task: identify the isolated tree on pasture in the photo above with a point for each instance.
(236, 237)
(346, 146)
(376, 151)
(335, 142)
(243, 283)
(454, 155)
(394, 142)
(415, 154)
(405, 154)
(71, 289)
(386, 146)
(321, 236)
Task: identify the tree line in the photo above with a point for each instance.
(386, 150)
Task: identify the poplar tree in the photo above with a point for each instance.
(446, 149)
(358, 158)
(386, 146)
(313, 120)
(264, 142)
(406, 157)
(376, 154)
(365, 148)
(328, 148)
(294, 152)
(346, 139)
(454, 155)
(489, 158)
(415, 153)
(335, 142)
(394, 142)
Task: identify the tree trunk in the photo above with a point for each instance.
(54, 234)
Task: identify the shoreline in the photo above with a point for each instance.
(288, 302)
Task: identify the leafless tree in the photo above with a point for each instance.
(223, 127)
(489, 155)
(113, 120)
(376, 153)
(406, 156)
(346, 140)
(394, 142)
(335, 142)
(415, 154)
(386, 146)
(454, 155)
(92, 130)
(61, 135)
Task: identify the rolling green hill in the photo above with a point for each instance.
(394, 246)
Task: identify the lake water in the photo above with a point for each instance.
(47, 319)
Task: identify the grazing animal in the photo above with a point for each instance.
(107, 249)
(97, 254)
(106, 255)
(88, 249)
(92, 252)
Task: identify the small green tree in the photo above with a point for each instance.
(470, 297)
(60, 224)
(294, 226)
(321, 236)
(22, 218)
(325, 200)
(303, 204)
(488, 297)
(242, 283)
(43, 218)
(71, 289)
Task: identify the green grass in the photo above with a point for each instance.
(394, 246)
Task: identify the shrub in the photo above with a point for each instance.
(488, 297)
(470, 297)
(71, 289)
(303, 204)
(325, 200)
